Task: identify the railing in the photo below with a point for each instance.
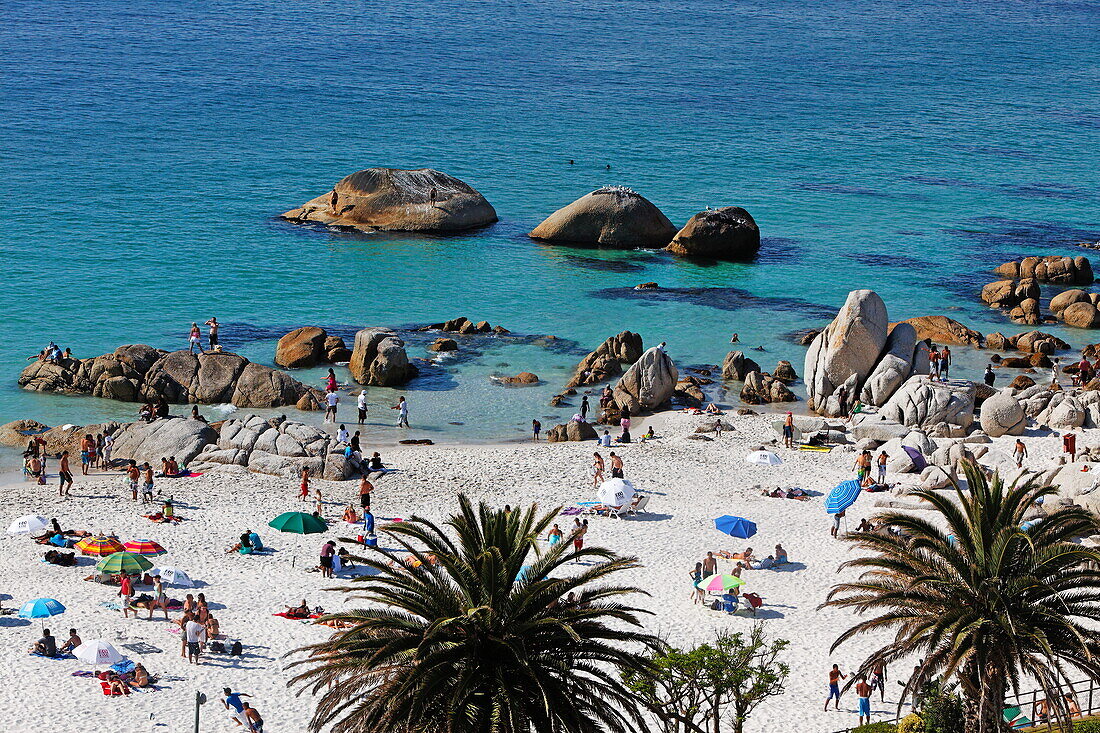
(1085, 694)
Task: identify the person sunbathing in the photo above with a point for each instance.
(117, 685)
(350, 515)
(300, 611)
(140, 677)
(712, 409)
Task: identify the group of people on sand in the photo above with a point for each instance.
(114, 683)
(198, 628)
(865, 686)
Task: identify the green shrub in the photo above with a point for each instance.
(1087, 726)
(876, 728)
(911, 723)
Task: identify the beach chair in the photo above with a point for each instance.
(1015, 717)
(615, 512)
(639, 507)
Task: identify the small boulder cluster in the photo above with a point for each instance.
(1019, 293)
(309, 346)
(759, 387)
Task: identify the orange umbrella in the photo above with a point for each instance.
(144, 547)
(100, 546)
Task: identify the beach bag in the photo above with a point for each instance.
(236, 650)
(217, 646)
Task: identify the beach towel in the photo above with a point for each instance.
(60, 655)
(123, 667)
(141, 648)
(571, 511)
(112, 605)
(83, 673)
(283, 614)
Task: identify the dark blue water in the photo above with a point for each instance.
(145, 150)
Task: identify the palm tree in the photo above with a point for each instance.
(480, 631)
(983, 600)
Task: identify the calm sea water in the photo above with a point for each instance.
(146, 148)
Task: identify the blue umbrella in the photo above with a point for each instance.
(843, 496)
(735, 526)
(41, 608)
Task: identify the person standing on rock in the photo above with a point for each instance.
(361, 403)
(842, 400)
(432, 197)
(990, 375)
(331, 400)
(945, 363)
(213, 335)
(1019, 453)
(584, 408)
(195, 340)
(402, 408)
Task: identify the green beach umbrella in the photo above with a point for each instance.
(298, 523)
(123, 562)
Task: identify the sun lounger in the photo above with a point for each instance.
(639, 507)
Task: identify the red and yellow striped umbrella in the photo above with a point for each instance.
(100, 546)
(145, 547)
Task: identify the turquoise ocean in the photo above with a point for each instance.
(147, 148)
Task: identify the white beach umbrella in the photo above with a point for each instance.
(615, 492)
(28, 525)
(763, 458)
(97, 652)
(174, 576)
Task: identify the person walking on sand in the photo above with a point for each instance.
(836, 524)
(878, 678)
(597, 470)
(863, 692)
(835, 676)
(882, 459)
(303, 494)
(194, 341)
(328, 550)
(331, 401)
(710, 565)
(788, 430)
(696, 575)
(126, 593)
(64, 476)
(402, 408)
(233, 703)
(580, 529)
(147, 491)
(945, 363)
(536, 428)
(212, 335)
(616, 466)
(1019, 453)
(361, 403)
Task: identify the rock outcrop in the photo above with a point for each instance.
(391, 199)
(922, 403)
(648, 384)
(1052, 269)
(846, 352)
(764, 388)
(571, 431)
(309, 346)
(613, 216)
(608, 360)
(140, 373)
(729, 233)
(279, 447)
(1082, 314)
(466, 327)
(944, 330)
(737, 366)
(523, 379)
(379, 359)
(894, 366)
(177, 437)
(1002, 414)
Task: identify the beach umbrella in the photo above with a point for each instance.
(99, 546)
(298, 523)
(763, 458)
(123, 563)
(735, 526)
(97, 652)
(842, 496)
(28, 525)
(919, 462)
(174, 576)
(41, 608)
(719, 583)
(144, 547)
(615, 492)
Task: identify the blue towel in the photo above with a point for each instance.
(124, 667)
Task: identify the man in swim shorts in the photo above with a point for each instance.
(863, 690)
(835, 676)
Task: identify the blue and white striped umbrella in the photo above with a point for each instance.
(843, 496)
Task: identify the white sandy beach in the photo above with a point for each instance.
(691, 483)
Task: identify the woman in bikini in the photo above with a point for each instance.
(160, 599)
(597, 470)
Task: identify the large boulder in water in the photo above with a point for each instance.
(613, 216)
(848, 347)
(737, 366)
(379, 359)
(648, 383)
(607, 360)
(392, 199)
(729, 233)
(303, 347)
